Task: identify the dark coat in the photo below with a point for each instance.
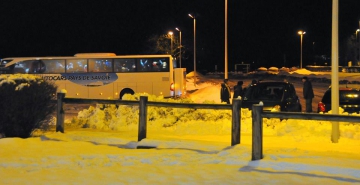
(238, 90)
(225, 92)
(308, 90)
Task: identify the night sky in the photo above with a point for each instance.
(260, 32)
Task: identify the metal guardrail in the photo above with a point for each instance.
(144, 103)
(258, 114)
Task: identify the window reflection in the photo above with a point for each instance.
(124, 65)
(76, 66)
(100, 65)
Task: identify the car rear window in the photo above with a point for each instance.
(265, 92)
(346, 96)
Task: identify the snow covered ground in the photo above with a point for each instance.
(295, 152)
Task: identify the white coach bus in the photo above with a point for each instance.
(104, 75)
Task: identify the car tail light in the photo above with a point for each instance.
(321, 107)
(172, 87)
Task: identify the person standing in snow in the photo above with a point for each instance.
(308, 93)
(238, 90)
(225, 93)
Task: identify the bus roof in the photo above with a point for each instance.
(95, 54)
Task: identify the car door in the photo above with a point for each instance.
(291, 100)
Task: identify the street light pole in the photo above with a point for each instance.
(358, 39)
(180, 44)
(193, 17)
(301, 33)
(171, 42)
(335, 129)
(358, 30)
(226, 40)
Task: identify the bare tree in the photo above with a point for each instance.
(161, 44)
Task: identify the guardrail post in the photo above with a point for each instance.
(257, 132)
(236, 121)
(60, 113)
(142, 117)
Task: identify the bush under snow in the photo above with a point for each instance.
(209, 121)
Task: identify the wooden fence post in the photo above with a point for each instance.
(257, 132)
(142, 117)
(60, 114)
(236, 122)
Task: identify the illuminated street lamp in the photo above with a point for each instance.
(301, 33)
(179, 44)
(171, 42)
(193, 17)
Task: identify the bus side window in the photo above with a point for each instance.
(94, 65)
(106, 65)
(37, 66)
(76, 66)
(157, 65)
(117, 65)
(144, 65)
(18, 68)
(70, 67)
(54, 66)
(60, 66)
(124, 65)
(80, 66)
(100, 65)
(154, 65)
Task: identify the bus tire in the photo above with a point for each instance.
(126, 91)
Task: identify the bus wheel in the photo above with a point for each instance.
(126, 91)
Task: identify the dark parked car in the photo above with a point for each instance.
(276, 96)
(349, 100)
